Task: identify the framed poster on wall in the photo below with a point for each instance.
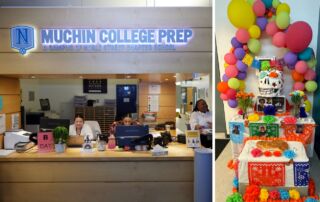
(95, 85)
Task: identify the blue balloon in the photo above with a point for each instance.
(306, 54)
(267, 3)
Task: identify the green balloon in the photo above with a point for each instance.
(250, 2)
(275, 3)
(283, 20)
(311, 86)
(234, 83)
(254, 45)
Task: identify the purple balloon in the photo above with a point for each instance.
(225, 78)
(233, 103)
(242, 67)
(242, 75)
(235, 43)
(262, 23)
(290, 58)
(239, 53)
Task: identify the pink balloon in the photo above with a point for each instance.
(301, 67)
(298, 86)
(299, 36)
(259, 8)
(271, 28)
(310, 75)
(232, 71)
(231, 93)
(224, 96)
(230, 58)
(279, 39)
(242, 35)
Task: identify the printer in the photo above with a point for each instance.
(13, 137)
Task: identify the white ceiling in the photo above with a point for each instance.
(106, 3)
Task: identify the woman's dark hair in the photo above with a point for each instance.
(79, 116)
(195, 109)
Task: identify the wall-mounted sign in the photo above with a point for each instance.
(22, 38)
(95, 85)
(100, 40)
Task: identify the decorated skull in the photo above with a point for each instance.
(270, 83)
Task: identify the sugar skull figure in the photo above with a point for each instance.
(270, 83)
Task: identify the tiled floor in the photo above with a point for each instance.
(224, 176)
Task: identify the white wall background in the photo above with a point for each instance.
(61, 92)
(307, 11)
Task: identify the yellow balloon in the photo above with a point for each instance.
(242, 85)
(226, 65)
(283, 7)
(240, 14)
(307, 104)
(254, 32)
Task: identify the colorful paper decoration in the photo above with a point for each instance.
(266, 173)
(301, 174)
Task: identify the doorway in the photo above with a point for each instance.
(126, 100)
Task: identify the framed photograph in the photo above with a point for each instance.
(299, 128)
(95, 85)
(236, 130)
(278, 102)
(264, 130)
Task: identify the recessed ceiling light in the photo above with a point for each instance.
(80, 77)
(166, 79)
(33, 77)
(174, 76)
(128, 76)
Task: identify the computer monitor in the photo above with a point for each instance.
(125, 135)
(47, 124)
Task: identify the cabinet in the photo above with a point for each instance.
(105, 115)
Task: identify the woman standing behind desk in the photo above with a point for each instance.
(80, 128)
(201, 119)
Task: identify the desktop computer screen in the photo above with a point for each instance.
(125, 135)
(47, 124)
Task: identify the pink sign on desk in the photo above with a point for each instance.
(45, 142)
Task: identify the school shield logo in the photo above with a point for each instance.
(22, 38)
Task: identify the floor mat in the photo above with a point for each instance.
(220, 144)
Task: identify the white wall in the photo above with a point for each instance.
(307, 11)
(61, 92)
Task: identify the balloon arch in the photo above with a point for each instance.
(272, 17)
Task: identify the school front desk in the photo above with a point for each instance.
(99, 176)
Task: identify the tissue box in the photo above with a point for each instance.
(271, 172)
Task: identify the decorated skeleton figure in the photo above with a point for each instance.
(270, 83)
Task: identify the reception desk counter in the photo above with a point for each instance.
(98, 176)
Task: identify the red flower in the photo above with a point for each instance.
(256, 152)
(267, 153)
(277, 153)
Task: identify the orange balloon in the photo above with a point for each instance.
(296, 76)
(222, 87)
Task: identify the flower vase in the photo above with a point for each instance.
(296, 111)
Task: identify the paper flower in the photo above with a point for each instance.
(269, 119)
(274, 194)
(290, 154)
(235, 197)
(277, 153)
(290, 120)
(284, 194)
(264, 195)
(294, 194)
(256, 152)
(311, 200)
(252, 193)
(267, 153)
(254, 117)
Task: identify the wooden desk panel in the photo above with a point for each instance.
(99, 176)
